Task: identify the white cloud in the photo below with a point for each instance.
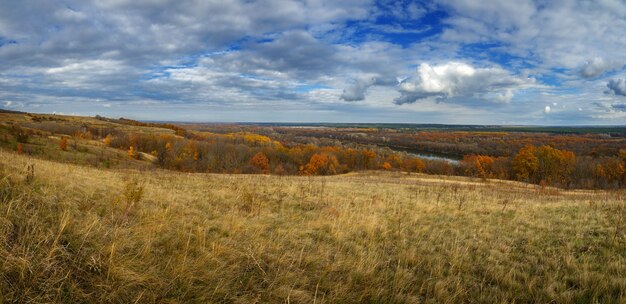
(456, 79)
(547, 109)
(557, 34)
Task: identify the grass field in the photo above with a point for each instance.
(70, 233)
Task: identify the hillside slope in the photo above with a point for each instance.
(70, 233)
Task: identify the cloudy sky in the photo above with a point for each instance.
(451, 61)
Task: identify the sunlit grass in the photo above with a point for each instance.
(81, 234)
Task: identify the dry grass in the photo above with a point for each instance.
(81, 234)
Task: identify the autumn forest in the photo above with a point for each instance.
(564, 160)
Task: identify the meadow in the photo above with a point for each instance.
(99, 210)
(76, 233)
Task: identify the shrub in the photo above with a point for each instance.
(63, 144)
(19, 133)
(107, 140)
(133, 193)
(133, 153)
(439, 167)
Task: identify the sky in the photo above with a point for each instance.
(450, 61)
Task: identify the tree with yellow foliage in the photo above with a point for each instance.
(525, 164)
(543, 164)
(133, 153)
(555, 165)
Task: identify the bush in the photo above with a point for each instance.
(19, 133)
(63, 144)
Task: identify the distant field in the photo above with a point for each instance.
(71, 233)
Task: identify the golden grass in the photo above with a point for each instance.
(81, 234)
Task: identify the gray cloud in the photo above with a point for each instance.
(598, 66)
(356, 90)
(291, 61)
(619, 107)
(293, 52)
(119, 49)
(145, 32)
(617, 86)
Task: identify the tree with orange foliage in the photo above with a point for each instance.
(63, 143)
(349, 157)
(107, 140)
(132, 152)
(366, 159)
(478, 165)
(611, 171)
(525, 164)
(260, 162)
(20, 149)
(321, 164)
(413, 165)
(387, 166)
(394, 160)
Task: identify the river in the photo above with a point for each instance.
(435, 157)
(427, 155)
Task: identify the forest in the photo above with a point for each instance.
(586, 161)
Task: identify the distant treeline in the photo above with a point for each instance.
(457, 143)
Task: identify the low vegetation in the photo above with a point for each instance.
(71, 233)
